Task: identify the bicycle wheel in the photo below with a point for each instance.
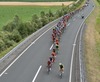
(48, 70)
(61, 75)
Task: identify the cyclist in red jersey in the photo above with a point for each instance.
(57, 41)
(53, 37)
(53, 55)
(49, 63)
(54, 31)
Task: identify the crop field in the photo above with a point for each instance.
(39, 0)
(24, 12)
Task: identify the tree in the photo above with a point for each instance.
(16, 20)
(23, 30)
(50, 14)
(36, 20)
(44, 20)
(12, 25)
(42, 14)
(16, 36)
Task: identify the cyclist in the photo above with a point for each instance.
(61, 68)
(56, 41)
(57, 48)
(53, 37)
(54, 31)
(49, 64)
(53, 55)
(51, 59)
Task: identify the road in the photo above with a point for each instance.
(31, 65)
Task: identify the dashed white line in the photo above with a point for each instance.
(51, 47)
(74, 44)
(68, 24)
(37, 73)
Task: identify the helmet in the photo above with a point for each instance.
(53, 28)
(60, 63)
(54, 50)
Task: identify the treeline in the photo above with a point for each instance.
(17, 30)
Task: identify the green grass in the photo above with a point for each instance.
(24, 12)
(39, 0)
(98, 23)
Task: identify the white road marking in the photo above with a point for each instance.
(25, 51)
(51, 46)
(80, 60)
(70, 77)
(74, 44)
(37, 73)
(68, 24)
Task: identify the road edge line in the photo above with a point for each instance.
(74, 46)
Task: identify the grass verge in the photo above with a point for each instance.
(92, 45)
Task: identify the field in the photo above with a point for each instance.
(39, 0)
(24, 12)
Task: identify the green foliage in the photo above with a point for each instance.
(2, 45)
(23, 30)
(16, 36)
(42, 14)
(9, 27)
(98, 24)
(98, 1)
(12, 25)
(44, 20)
(36, 22)
(50, 14)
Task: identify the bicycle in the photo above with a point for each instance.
(57, 48)
(48, 69)
(61, 74)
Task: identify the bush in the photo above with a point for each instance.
(16, 36)
(36, 22)
(2, 45)
(23, 30)
(44, 20)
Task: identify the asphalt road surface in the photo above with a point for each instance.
(31, 65)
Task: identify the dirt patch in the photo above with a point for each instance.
(35, 3)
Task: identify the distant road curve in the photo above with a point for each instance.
(36, 3)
